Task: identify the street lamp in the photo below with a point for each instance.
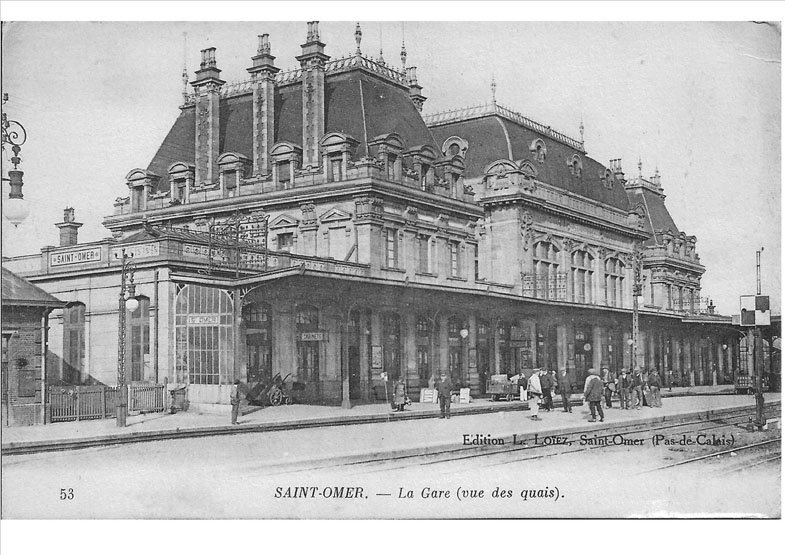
(128, 302)
(15, 208)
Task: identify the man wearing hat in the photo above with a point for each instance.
(592, 392)
(234, 398)
(535, 394)
(444, 388)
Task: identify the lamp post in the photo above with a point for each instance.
(15, 208)
(637, 287)
(126, 302)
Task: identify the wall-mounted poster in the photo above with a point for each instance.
(472, 358)
(376, 356)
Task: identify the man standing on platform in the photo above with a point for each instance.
(654, 388)
(592, 392)
(624, 389)
(565, 389)
(546, 383)
(234, 398)
(637, 389)
(535, 394)
(444, 388)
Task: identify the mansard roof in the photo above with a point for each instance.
(357, 103)
(657, 216)
(493, 132)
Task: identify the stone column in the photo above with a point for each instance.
(687, 341)
(626, 355)
(376, 341)
(471, 343)
(561, 346)
(444, 343)
(365, 356)
(596, 347)
(409, 341)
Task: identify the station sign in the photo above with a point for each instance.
(312, 336)
(203, 319)
(81, 256)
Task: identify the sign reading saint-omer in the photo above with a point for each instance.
(75, 257)
(203, 319)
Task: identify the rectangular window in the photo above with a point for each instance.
(390, 167)
(476, 262)
(423, 362)
(455, 262)
(285, 241)
(284, 176)
(336, 169)
(392, 248)
(180, 191)
(137, 195)
(423, 258)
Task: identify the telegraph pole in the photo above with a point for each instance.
(757, 357)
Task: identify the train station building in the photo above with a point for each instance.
(316, 223)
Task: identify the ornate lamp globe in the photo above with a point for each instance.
(131, 304)
(15, 207)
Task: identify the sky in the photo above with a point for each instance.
(699, 101)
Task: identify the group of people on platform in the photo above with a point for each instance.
(634, 390)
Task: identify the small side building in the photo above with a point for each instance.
(25, 319)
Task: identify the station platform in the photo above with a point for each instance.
(160, 426)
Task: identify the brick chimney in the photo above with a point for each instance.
(207, 87)
(263, 74)
(312, 61)
(69, 228)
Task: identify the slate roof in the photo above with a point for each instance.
(381, 108)
(493, 137)
(658, 218)
(20, 292)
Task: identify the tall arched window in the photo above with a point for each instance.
(614, 282)
(259, 340)
(139, 341)
(546, 266)
(204, 336)
(391, 344)
(582, 276)
(73, 343)
(307, 322)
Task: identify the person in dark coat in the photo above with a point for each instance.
(444, 388)
(399, 395)
(546, 383)
(625, 383)
(592, 392)
(234, 399)
(637, 389)
(654, 387)
(565, 389)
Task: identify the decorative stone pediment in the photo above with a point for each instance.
(455, 146)
(285, 149)
(141, 178)
(181, 168)
(284, 221)
(334, 215)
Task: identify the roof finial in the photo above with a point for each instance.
(403, 45)
(358, 37)
(493, 89)
(581, 129)
(640, 168)
(381, 45)
(185, 67)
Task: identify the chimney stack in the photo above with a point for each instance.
(69, 228)
(207, 87)
(312, 60)
(263, 75)
(415, 90)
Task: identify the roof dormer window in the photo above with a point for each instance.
(539, 150)
(576, 166)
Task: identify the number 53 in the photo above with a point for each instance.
(66, 493)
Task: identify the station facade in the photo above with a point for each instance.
(314, 223)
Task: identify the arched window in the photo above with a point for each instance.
(307, 323)
(259, 340)
(546, 267)
(582, 276)
(138, 355)
(204, 336)
(538, 150)
(576, 165)
(614, 282)
(73, 342)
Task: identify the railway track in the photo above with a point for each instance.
(510, 454)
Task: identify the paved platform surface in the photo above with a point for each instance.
(269, 419)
